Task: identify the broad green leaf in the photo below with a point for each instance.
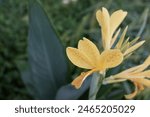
(68, 92)
(48, 67)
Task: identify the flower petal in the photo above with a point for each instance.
(109, 81)
(134, 41)
(103, 18)
(125, 46)
(115, 20)
(147, 61)
(144, 65)
(138, 82)
(128, 71)
(88, 47)
(106, 28)
(79, 59)
(145, 74)
(99, 17)
(121, 40)
(104, 21)
(115, 37)
(133, 94)
(132, 48)
(143, 81)
(136, 71)
(111, 58)
(77, 82)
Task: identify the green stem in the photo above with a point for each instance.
(96, 83)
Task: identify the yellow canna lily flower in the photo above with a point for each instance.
(138, 75)
(87, 56)
(109, 24)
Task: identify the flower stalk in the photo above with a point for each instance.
(96, 83)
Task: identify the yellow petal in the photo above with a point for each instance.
(134, 41)
(126, 42)
(111, 58)
(132, 95)
(115, 37)
(143, 81)
(125, 45)
(147, 61)
(106, 28)
(106, 18)
(115, 20)
(120, 42)
(139, 68)
(138, 82)
(99, 17)
(132, 48)
(144, 65)
(136, 71)
(86, 46)
(145, 74)
(78, 58)
(126, 73)
(107, 81)
(103, 19)
(77, 82)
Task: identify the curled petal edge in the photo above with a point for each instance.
(77, 82)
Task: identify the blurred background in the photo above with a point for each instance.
(72, 19)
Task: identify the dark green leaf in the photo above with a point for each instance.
(48, 67)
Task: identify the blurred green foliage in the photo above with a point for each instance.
(13, 31)
(72, 21)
